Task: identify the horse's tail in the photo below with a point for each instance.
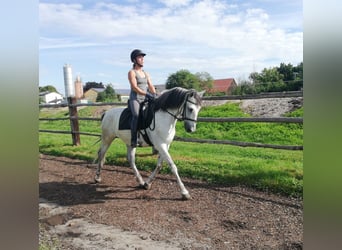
(97, 141)
(96, 158)
(100, 136)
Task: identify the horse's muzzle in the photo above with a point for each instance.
(190, 128)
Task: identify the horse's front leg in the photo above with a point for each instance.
(131, 159)
(163, 152)
(150, 179)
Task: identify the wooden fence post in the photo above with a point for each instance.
(74, 122)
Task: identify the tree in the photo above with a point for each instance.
(269, 80)
(185, 79)
(48, 88)
(107, 95)
(299, 71)
(297, 83)
(286, 77)
(286, 70)
(253, 77)
(270, 75)
(245, 87)
(205, 80)
(182, 78)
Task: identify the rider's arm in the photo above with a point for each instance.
(150, 85)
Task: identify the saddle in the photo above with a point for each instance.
(146, 114)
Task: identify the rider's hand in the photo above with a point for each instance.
(149, 97)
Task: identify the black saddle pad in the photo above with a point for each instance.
(125, 119)
(146, 115)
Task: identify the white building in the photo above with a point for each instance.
(51, 97)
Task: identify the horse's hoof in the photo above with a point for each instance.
(186, 197)
(97, 179)
(147, 186)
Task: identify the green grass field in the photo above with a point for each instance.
(273, 170)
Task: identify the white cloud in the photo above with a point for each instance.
(175, 3)
(206, 35)
(206, 22)
(61, 43)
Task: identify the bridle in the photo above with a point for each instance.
(182, 111)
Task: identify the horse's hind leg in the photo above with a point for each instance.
(150, 179)
(101, 157)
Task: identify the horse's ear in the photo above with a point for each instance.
(201, 93)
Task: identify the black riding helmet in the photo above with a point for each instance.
(135, 53)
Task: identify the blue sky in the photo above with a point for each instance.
(224, 38)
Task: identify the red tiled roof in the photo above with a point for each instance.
(222, 85)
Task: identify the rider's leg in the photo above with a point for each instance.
(134, 105)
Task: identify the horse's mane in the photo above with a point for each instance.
(174, 98)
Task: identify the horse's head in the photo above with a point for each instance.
(182, 104)
(192, 106)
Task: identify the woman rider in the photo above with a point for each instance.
(141, 89)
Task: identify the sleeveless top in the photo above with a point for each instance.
(142, 84)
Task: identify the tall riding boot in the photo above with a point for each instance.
(134, 133)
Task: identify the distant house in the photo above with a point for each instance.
(91, 94)
(51, 97)
(124, 94)
(160, 88)
(225, 86)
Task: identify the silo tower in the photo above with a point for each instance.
(78, 88)
(68, 84)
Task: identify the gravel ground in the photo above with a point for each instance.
(75, 213)
(271, 107)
